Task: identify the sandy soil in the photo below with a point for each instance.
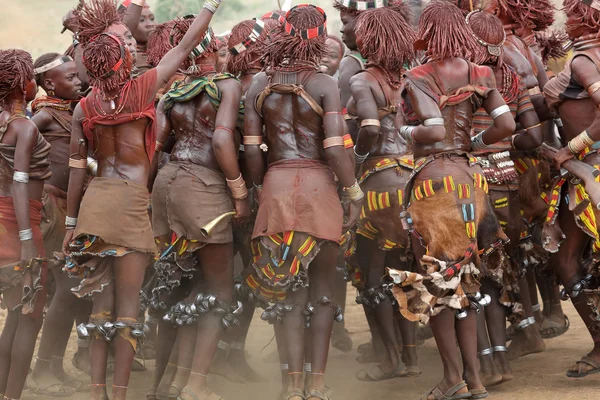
(539, 376)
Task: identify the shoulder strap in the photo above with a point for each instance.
(59, 119)
(283, 88)
(392, 96)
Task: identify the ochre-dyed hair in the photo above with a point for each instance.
(239, 63)
(180, 28)
(551, 44)
(442, 26)
(158, 42)
(40, 62)
(533, 14)
(488, 28)
(94, 17)
(283, 46)
(16, 71)
(385, 38)
(340, 43)
(586, 16)
(100, 55)
(465, 5)
(399, 5)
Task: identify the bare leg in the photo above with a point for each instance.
(6, 341)
(489, 371)
(340, 339)
(495, 315)
(165, 340)
(104, 303)
(408, 331)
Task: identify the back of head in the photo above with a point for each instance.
(385, 38)
(301, 38)
(108, 62)
(242, 45)
(443, 29)
(537, 15)
(487, 29)
(16, 71)
(206, 48)
(94, 17)
(582, 15)
(159, 42)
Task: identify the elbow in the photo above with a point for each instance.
(372, 132)
(506, 124)
(537, 139)
(437, 133)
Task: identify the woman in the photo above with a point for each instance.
(449, 214)
(385, 164)
(24, 166)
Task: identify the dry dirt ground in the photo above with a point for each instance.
(537, 377)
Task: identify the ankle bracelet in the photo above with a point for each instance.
(120, 387)
(42, 359)
(500, 349)
(97, 384)
(295, 373)
(307, 367)
(526, 323)
(199, 374)
(284, 367)
(318, 373)
(485, 352)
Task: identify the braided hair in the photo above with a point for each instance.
(94, 17)
(101, 54)
(16, 71)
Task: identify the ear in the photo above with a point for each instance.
(420, 45)
(49, 84)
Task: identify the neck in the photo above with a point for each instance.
(17, 107)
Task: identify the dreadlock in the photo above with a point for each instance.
(488, 28)
(397, 5)
(239, 63)
(551, 44)
(442, 26)
(533, 14)
(16, 71)
(94, 17)
(40, 62)
(100, 55)
(339, 43)
(283, 46)
(158, 42)
(180, 28)
(586, 16)
(386, 39)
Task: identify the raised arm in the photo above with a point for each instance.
(77, 163)
(432, 129)
(224, 147)
(133, 14)
(26, 140)
(195, 34)
(253, 129)
(368, 117)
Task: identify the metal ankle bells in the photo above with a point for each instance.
(478, 301)
(187, 314)
(374, 297)
(107, 330)
(276, 312)
(566, 294)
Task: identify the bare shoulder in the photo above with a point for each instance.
(349, 65)
(26, 129)
(42, 119)
(229, 84)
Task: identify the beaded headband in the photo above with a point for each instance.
(305, 34)
(272, 15)
(362, 5)
(251, 39)
(56, 63)
(116, 67)
(595, 4)
(493, 49)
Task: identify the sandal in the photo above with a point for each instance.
(292, 393)
(375, 373)
(193, 396)
(552, 331)
(579, 373)
(479, 393)
(409, 372)
(317, 394)
(58, 389)
(365, 348)
(450, 394)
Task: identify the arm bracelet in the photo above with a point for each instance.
(21, 177)
(406, 132)
(360, 158)
(477, 141)
(333, 141)
(434, 122)
(92, 166)
(25, 235)
(499, 111)
(580, 142)
(558, 122)
(593, 88)
(238, 188)
(79, 164)
(70, 222)
(354, 192)
(370, 122)
(212, 5)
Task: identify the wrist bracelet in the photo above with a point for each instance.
(580, 142)
(25, 235)
(477, 142)
(70, 222)
(212, 5)
(499, 111)
(354, 192)
(21, 177)
(360, 158)
(238, 188)
(434, 122)
(406, 132)
(92, 166)
(512, 141)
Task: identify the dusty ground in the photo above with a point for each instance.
(537, 377)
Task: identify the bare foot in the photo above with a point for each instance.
(220, 366)
(526, 341)
(489, 372)
(237, 361)
(341, 340)
(503, 364)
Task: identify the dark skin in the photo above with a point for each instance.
(20, 331)
(141, 21)
(349, 66)
(302, 138)
(121, 154)
(198, 142)
(367, 98)
(434, 139)
(578, 115)
(331, 62)
(65, 84)
(222, 60)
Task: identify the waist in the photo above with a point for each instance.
(7, 210)
(299, 163)
(53, 190)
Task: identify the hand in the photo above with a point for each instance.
(67, 240)
(28, 252)
(561, 156)
(399, 121)
(242, 209)
(69, 21)
(352, 213)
